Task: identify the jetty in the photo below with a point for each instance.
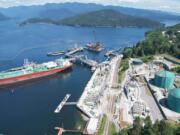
(81, 59)
(112, 53)
(93, 97)
(74, 50)
(62, 103)
(88, 62)
(93, 92)
(61, 131)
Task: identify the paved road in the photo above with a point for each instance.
(156, 114)
(111, 96)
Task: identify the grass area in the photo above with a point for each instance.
(102, 126)
(112, 130)
(147, 59)
(124, 65)
(176, 69)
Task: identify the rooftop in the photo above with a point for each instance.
(165, 73)
(175, 92)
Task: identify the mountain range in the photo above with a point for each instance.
(63, 10)
(100, 18)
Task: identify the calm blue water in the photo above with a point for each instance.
(28, 109)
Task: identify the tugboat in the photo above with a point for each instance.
(95, 47)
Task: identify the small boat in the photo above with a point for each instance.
(56, 53)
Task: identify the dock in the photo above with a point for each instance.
(88, 62)
(81, 59)
(93, 98)
(73, 51)
(61, 131)
(112, 53)
(62, 103)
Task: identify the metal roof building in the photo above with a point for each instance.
(164, 79)
(137, 62)
(174, 100)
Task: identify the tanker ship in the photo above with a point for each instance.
(32, 70)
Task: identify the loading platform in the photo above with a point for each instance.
(88, 62)
(63, 102)
(81, 59)
(75, 50)
(61, 131)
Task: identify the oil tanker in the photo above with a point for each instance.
(32, 70)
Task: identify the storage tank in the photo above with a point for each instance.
(174, 100)
(164, 79)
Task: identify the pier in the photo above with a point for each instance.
(92, 100)
(81, 59)
(79, 49)
(113, 53)
(63, 102)
(61, 131)
(88, 62)
(70, 103)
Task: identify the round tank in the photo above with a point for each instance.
(164, 79)
(173, 100)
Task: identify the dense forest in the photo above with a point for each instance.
(146, 127)
(160, 41)
(111, 18)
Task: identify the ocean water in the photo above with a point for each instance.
(28, 108)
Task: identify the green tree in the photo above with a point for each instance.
(165, 128)
(148, 127)
(137, 127)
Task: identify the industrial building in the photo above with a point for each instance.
(173, 100)
(137, 62)
(164, 79)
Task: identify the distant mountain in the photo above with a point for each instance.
(57, 13)
(55, 10)
(3, 17)
(100, 18)
(109, 18)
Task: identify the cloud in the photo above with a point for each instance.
(166, 5)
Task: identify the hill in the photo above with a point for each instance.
(59, 13)
(164, 40)
(25, 12)
(109, 18)
(100, 18)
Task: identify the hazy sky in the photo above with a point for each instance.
(165, 5)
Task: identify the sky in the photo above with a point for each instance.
(164, 5)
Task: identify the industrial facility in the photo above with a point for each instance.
(173, 99)
(137, 62)
(164, 79)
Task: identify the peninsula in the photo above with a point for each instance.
(100, 18)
